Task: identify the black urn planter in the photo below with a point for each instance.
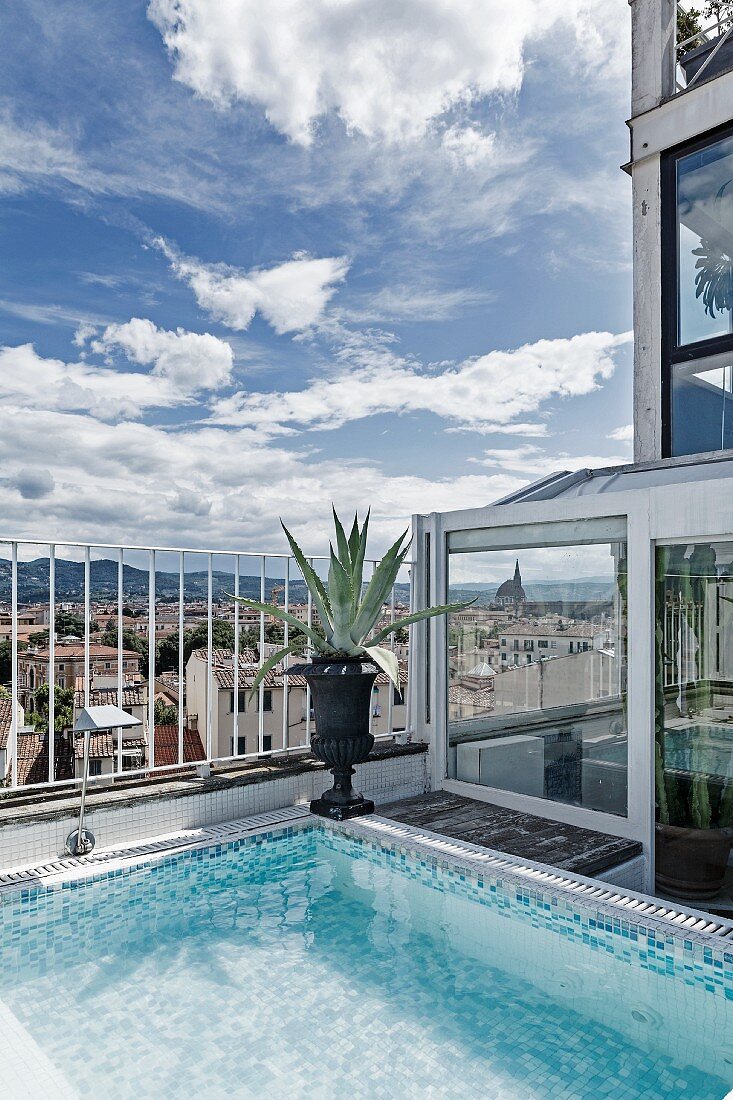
(341, 690)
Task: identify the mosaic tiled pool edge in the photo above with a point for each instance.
(702, 954)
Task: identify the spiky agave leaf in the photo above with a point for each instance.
(359, 539)
(386, 660)
(378, 589)
(419, 616)
(313, 582)
(319, 643)
(342, 543)
(270, 664)
(339, 585)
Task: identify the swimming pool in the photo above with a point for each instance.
(319, 960)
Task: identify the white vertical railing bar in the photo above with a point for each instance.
(412, 634)
(235, 664)
(151, 660)
(181, 594)
(51, 663)
(390, 686)
(87, 614)
(209, 656)
(120, 679)
(309, 652)
(286, 662)
(371, 701)
(14, 668)
(261, 692)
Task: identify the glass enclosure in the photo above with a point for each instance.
(537, 667)
(705, 242)
(699, 309)
(694, 685)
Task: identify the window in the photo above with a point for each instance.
(542, 643)
(241, 746)
(694, 685)
(548, 729)
(267, 700)
(697, 296)
(267, 742)
(95, 767)
(397, 697)
(241, 702)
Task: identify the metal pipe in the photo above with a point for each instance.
(51, 662)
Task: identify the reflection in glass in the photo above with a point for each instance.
(694, 686)
(705, 242)
(702, 408)
(537, 673)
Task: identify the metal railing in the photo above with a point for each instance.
(24, 558)
(716, 34)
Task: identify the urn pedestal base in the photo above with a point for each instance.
(323, 808)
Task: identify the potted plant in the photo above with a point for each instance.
(696, 52)
(348, 658)
(694, 827)
(694, 832)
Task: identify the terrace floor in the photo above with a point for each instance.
(583, 851)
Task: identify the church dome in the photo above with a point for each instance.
(512, 589)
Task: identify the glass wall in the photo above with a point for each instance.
(694, 685)
(537, 669)
(699, 308)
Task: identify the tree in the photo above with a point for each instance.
(402, 636)
(165, 715)
(688, 23)
(6, 659)
(63, 709)
(130, 640)
(222, 636)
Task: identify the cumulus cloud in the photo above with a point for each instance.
(388, 70)
(468, 146)
(290, 296)
(33, 484)
(190, 361)
(624, 434)
(533, 461)
(184, 364)
(492, 392)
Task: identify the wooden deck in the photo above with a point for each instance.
(584, 851)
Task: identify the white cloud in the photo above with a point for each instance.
(492, 392)
(184, 363)
(290, 296)
(624, 434)
(468, 147)
(190, 361)
(388, 70)
(535, 461)
(33, 484)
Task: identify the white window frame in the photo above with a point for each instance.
(683, 512)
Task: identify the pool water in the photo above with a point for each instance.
(313, 964)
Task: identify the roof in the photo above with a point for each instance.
(481, 669)
(166, 746)
(64, 651)
(614, 479)
(274, 678)
(536, 630)
(104, 745)
(98, 697)
(33, 758)
(6, 717)
(483, 699)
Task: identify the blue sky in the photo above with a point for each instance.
(260, 258)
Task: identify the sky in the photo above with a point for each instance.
(259, 258)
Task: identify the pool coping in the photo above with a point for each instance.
(620, 905)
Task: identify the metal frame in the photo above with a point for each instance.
(700, 511)
(675, 354)
(118, 551)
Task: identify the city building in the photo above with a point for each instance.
(69, 666)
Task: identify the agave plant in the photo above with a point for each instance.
(347, 611)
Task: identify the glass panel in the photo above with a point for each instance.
(702, 407)
(537, 673)
(705, 242)
(694, 685)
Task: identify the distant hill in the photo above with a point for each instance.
(554, 592)
(33, 583)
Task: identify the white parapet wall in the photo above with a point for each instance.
(32, 839)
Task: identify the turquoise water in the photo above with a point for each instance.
(309, 964)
